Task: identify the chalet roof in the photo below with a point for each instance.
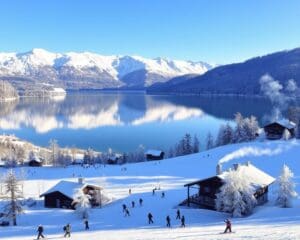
(153, 152)
(285, 123)
(256, 177)
(68, 188)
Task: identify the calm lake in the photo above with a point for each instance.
(122, 120)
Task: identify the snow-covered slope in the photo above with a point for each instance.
(90, 70)
(267, 221)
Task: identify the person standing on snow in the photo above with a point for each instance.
(67, 229)
(40, 231)
(141, 202)
(150, 218)
(178, 214)
(124, 207)
(228, 225)
(86, 223)
(132, 204)
(127, 214)
(182, 221)
(168, 219)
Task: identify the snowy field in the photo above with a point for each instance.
(267, 222)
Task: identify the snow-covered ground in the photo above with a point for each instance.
(267, 222)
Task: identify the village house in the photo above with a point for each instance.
(61, 195)
(276, 129)
(154, 154)
(205, 190)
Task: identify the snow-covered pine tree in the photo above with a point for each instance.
(188, 149)
(286, 135)
(239, 131)
(196, 144)
(286, 188)
(251, 127)
(236, 195)
(209, 141)
(13, 191)
(82, 202)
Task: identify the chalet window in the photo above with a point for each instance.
(206, 189)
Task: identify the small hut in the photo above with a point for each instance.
(276, 129)
(206, 189)
(114, 159)
(154, 155)
(61, 195)
(36, 162)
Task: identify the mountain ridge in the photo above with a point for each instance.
(239, 78)
(74, 70)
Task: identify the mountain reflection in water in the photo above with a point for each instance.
(122, 121)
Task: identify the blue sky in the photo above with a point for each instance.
(211, 30)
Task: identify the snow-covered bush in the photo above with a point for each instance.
(236, 195)
(286, 134)
(82, 203)
(286, 188)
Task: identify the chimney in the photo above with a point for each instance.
(219, 169)
(80, 180)
(236, 166)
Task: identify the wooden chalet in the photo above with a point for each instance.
(276, 129)
(205, 190)
(154, 155)
(61, 194)
(114, 159)
(36, 162)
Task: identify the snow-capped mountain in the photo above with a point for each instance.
(89, 70)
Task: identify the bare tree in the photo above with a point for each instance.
(54, 149)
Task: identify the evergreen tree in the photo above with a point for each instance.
(236, 195)
(187, 141)
(82, 203)
(13, 187)
(209, 141)
(286, 188)
(286, 134)
(196, 144)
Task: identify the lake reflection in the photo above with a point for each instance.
(122, 121)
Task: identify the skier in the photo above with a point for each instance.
(129, 191)
(40, 231)
(86, 223)
(182, 221)
(150, 218)
(127, 214)
(132, 204)
(67, 230)
(124, 207)
(168, 221)
(178, 214)
(162, 194)
(153, 191)
(228, 225)
(141, 202)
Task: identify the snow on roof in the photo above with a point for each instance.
(154, 152)
(256, 177)
(285, 123)
(67, 188)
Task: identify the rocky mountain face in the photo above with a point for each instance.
(91, 71)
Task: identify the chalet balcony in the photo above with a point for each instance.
(202, 200)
